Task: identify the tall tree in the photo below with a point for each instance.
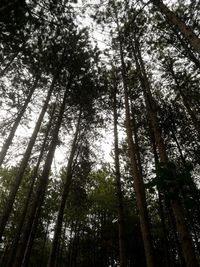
(67, 183)
(181, 225)
(118, 176)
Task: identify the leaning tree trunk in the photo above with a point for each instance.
(121, 229)
(68, 178)
(33, 178)
(15, 186)
(9, 139)
(181, 225)
(174, 20)
(41, 188)
(138, 179)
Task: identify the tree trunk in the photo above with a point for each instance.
(30, 240)
(181, 225)
(15, 186)
(138, 180)
(9, 139)
(121, 232)
(44, 253)
(174, 20)
(68, 178)
(33, 178)
(41, 188)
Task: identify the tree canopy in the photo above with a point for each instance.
(80, 79)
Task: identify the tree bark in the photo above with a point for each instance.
(15, 186)
(9, 139)
(33, 178)
(33, 215)
(121, 232)
(167, 261)
(174, 20)
(138, 179)
(181, 225)
(68, 178)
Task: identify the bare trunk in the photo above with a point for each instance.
(174, 20)
(15, 186)
(138, 180)
(9, 139)
(121, 232)
(68, 178)
(33, 178)
(30, 241)
(40, 190)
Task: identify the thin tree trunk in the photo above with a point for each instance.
(135, 134)
(61, 256)
(70, 246)
(44, 244)
(9, 139)
(41, 188)
(68, 178)
(121, 232)
(138, 180)
(174, 20)
(178, 145)
(33, 178)
(181, 225)
(15, 186)
(30, 241)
